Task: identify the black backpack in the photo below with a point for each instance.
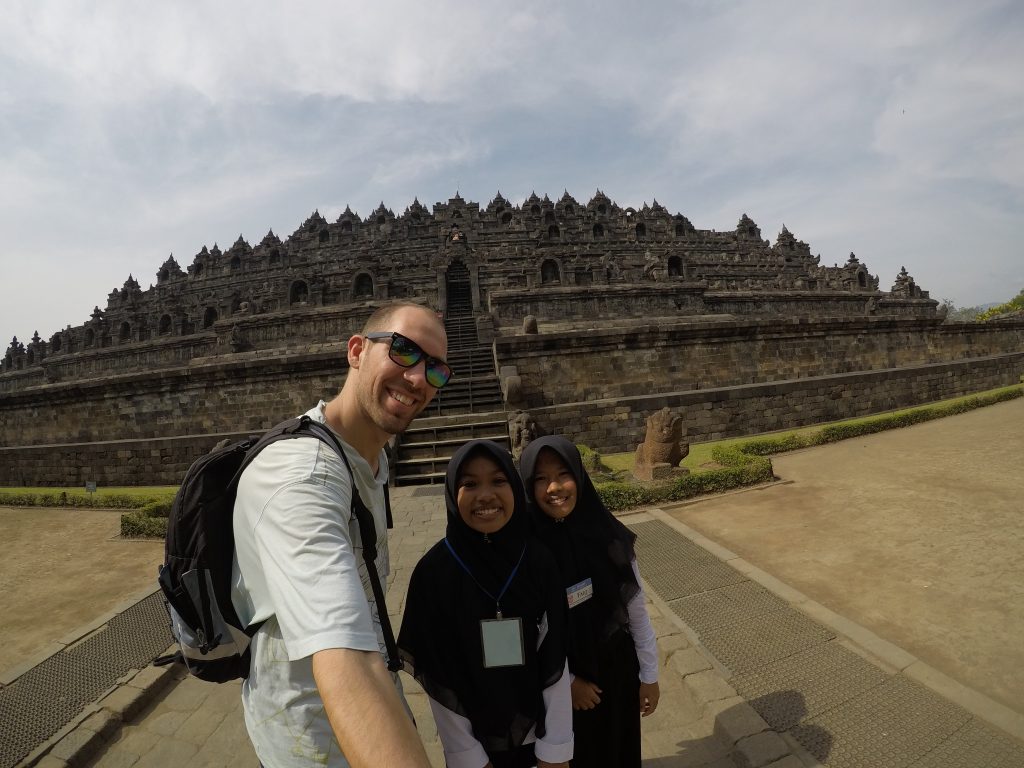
(196, 574)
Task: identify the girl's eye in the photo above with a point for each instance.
(467, 484)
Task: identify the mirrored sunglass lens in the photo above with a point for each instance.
(405, 352)
(438, 374)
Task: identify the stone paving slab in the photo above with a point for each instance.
(806, 684)
(842, 708)
(40, 702)
(763, 639)
(729, 604)
(975, 745)
(893, 724)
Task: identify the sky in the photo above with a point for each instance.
(130, 131)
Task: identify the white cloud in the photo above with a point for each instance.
(132, 130)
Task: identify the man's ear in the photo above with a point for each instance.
(356, 345)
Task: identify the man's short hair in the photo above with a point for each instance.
(381, 317)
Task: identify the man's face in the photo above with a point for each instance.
(392, 396)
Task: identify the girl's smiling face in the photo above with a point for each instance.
(554, 487)
(485, 497)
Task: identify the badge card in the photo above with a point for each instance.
(580, 593)
(502, 642)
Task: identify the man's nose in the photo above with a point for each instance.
(416, 373)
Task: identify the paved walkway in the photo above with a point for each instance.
(754, 672)
(183, 721)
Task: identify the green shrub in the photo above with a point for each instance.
(136, 525)
(591, 459)
(844, 430)
(618, 495)
(41, 497)
(155, 509)
(766, 446)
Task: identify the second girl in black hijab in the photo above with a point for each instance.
(484, 627)
(613, 655)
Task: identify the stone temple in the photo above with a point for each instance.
(588, 316)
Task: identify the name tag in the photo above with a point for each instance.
(502, 641)
(580, 593)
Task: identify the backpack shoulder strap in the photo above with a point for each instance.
(368, 535)
(387, 505)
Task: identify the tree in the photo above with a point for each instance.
(1016, 304)
(956, 314)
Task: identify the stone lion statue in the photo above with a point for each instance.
(522, 428)
(663, 447)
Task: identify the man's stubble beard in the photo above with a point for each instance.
(381, 418)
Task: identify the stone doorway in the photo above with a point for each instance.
(458, 290)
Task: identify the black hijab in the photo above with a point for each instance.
(439, 641)
(590, 543)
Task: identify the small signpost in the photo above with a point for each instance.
(90, 486)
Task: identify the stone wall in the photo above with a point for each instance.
(675, 298)
(583, 365)
(616, 425)
(248, 392)
(272, 331)
(608, 426)
(161, 461)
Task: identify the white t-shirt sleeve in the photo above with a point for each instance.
(303, 542)
(643, 633)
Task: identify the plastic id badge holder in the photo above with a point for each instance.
(502, 641)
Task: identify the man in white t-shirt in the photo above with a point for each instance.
(319, 692)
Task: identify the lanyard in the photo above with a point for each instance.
(497, 600)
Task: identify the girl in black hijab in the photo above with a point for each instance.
(613, 655)
(484, 627)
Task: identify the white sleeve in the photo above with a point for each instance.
(643, 634)
(557, 744)
(461, 749)
(296, 543)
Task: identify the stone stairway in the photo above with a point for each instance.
(469, 407)
(423, 453)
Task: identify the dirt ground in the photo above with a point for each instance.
(61, 569)
(916, 534)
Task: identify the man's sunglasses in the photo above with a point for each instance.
(407, 353)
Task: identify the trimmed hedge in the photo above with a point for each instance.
(591, 459)
(833, 433)
(16, 498)
(137, 524)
